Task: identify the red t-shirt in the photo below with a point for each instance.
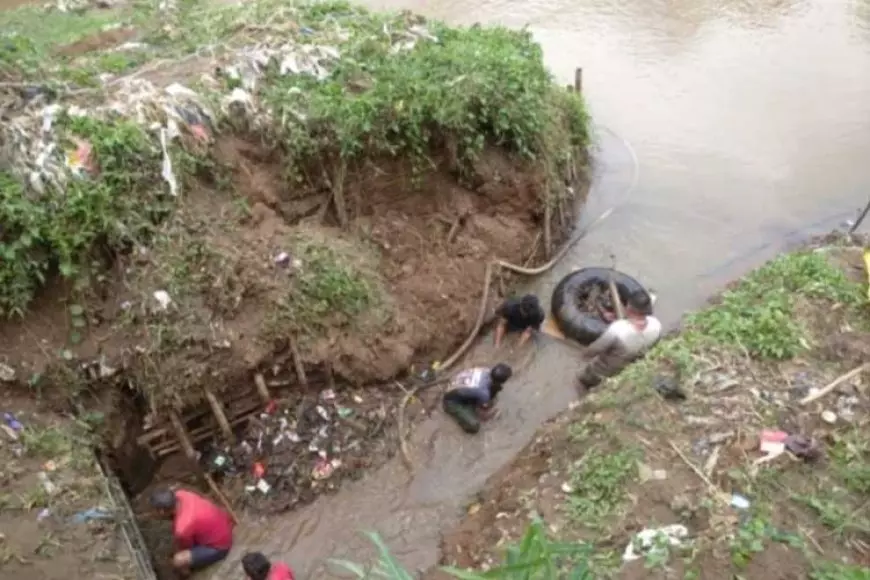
(199, 522)
(280, 571)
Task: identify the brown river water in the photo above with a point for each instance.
(728, 130)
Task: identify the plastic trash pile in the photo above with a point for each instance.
(295, 451)
(32, 149)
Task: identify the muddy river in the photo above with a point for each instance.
(729, 129)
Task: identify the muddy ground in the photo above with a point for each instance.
(56, 520)
(625, 458)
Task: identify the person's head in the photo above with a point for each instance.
(529, 304)
(499, 374)
(639, 304)
(163, 501)
(256, 566)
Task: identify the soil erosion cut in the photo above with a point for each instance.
(227, 205)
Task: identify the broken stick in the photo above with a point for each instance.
(713, 488)
(832, 385)
(187, 446)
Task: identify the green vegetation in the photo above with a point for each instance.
(598, 482)
(759, 315)
(535, 557)
(329, 289)
(450, 95)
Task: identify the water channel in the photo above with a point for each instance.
(729, 129)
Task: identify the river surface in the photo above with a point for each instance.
(744, 127)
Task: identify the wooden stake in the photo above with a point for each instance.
(218, 411)
(220, 495)
(832, 385)
(181, 435)
(187, 446)
(578, 80)
(262, 389)
(860, 219)
(297, 362)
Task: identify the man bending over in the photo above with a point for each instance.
(470, 396)
(203, 531)
(622, 343)
(523, 315)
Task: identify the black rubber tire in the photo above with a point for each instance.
(464, 415)
(583, 326)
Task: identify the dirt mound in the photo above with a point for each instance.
(625, 460)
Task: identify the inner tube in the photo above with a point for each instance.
(577, 324)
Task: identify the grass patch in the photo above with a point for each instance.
(839, 571)
(759, 314)
(598, 481)
(331, 288)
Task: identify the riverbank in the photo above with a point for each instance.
(213, 213)
(626, 459)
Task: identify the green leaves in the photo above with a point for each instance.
(536, 557)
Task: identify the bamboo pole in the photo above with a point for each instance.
(218, 411)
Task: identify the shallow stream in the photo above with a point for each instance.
(744, 127)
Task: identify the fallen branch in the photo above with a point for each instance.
(832, 385)
(860, 219)
(713, 488)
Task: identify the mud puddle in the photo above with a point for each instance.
(738, 156)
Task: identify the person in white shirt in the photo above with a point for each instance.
(622, 343)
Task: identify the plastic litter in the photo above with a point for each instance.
(163, 299)
(651, 540)
(772, 444)
(803, 447)
(49, 487)
(92, 514)
(10, 432)
(740, 502)
(829, 417)
(7, 373)
(11, 422)
(43, 514)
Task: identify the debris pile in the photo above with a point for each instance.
(296, 450)
(33, 148)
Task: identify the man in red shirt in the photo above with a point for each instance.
(203, 531)
(258, 567)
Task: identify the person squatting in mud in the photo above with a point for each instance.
(622, 343)
(523, 315)
(471, 395)
(258, 567)
(203, 532)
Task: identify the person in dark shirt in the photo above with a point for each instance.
(471, 395)
(523, 315)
